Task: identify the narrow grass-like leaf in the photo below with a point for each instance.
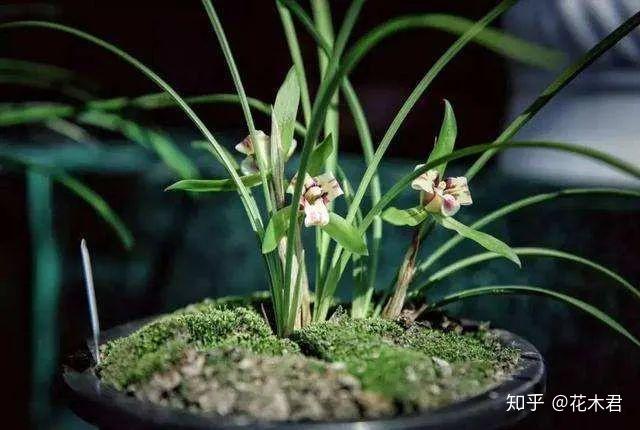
(446, 138)
(23, 113)
(249, 203)
(69, 130)
(526, 251)
(47, 76)
(324, 26)
(485, 240)
(499, 42)
(587, 152)
(363, 296)
(567, 75)
(319, 156)
(361, 47)
(296, 57)
(340, 260)
(405, 217)
(354, 55)
(345, 234)
(45, 71)
(212, 185)
(276, 229)
(516, 206)
(27, 113)
(158, 142)
(98, 204)
(260, 154)
(93, 199)
(325, 93)
(527, 290)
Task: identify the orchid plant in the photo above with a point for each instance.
(299, 183)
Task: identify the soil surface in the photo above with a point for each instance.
(222, 359)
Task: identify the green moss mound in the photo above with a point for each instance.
(397, 370)
(420, 368)
(161, 343)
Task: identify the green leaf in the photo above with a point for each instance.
(22, 113)
(345, 234)
(213, 185)
(319, 156)
(499, 42)
(99, 205)
(285, 108)
(326, 91)
(93, 199)
(527, 290)
(515, 206)
(158, 142)
(276, 229)
(401, 217)
(249, 203)
(587, 152)
(538, 252)
(296, 57)
(483, 239)
(446, 139)
(261, 156)
(563, 79)
(364, 44)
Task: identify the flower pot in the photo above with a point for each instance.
(108, 408)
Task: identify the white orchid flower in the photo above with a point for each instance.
(249, 165)
(443, 197)
(318, 191)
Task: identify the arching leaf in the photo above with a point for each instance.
(527, 290)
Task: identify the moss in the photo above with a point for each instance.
(416, 369)
(252, 301)
(420, 368)
(453, 347)
(158, 344)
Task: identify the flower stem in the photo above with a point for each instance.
(395, 304)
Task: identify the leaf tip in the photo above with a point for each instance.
(516, 260)
(172, 187)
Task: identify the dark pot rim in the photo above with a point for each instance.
(106, 407)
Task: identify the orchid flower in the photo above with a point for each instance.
(249, 166)
(439, 196)
(317, 193)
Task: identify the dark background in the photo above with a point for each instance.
(174, 39)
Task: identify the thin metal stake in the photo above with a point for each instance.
(91, 299)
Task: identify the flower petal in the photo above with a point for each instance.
(330, 186)
(426, 182)
(308, 183)
(316, 213)
(248, 166)
(458, 188)
(246, 147)
(449, 205)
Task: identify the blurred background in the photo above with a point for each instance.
(190, 248)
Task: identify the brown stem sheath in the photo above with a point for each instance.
(394, 306)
